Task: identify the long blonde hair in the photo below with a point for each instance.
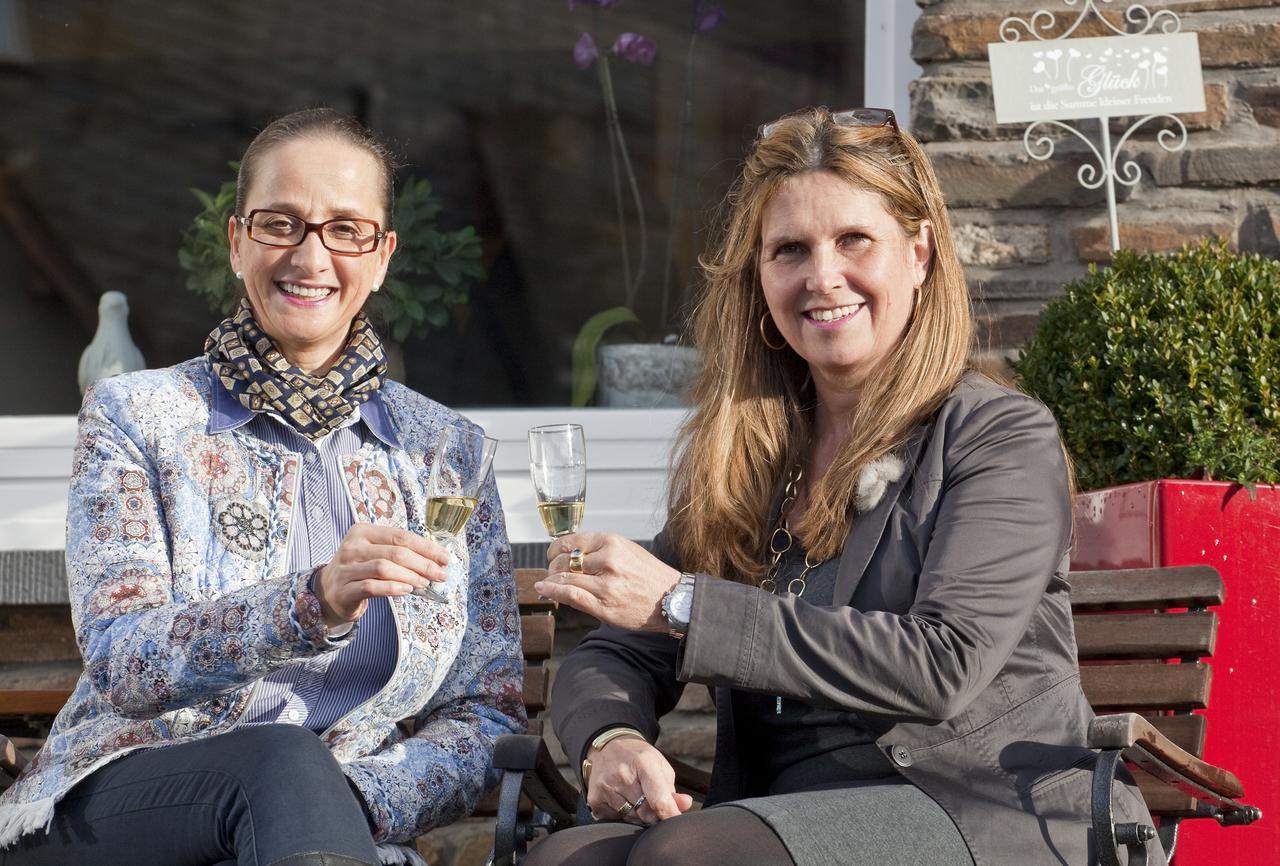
(752, 406)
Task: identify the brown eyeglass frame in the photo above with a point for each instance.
(872, 117)
(307, 228)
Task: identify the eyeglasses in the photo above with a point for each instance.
(849, 117)
(346, 236)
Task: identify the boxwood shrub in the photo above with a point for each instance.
(1165, 366)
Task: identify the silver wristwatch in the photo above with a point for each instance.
(677, 606)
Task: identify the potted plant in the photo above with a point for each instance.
(1162, 373)
(430, 274)
(637, 374)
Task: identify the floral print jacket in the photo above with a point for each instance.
(176, 544)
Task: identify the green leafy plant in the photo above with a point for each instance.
(585, 345)
(431, 271)
(203, 253)
(1165, 366)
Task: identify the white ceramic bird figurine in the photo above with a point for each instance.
(111, 350)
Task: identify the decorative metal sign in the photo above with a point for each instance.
(1110, 76)
(1060, 78)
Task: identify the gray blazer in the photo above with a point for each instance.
(954, 643)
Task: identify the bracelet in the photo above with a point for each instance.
(603, 740)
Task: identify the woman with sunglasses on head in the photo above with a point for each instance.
(250, 577)
(865, 556)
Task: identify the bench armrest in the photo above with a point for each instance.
(544, 784)
(11, 760)
(1130, 731)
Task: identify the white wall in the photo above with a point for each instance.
(626, 460)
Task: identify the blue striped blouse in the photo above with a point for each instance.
(320, 691)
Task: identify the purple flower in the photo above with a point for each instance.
(709, 16)
(634, 47)
(585, 51)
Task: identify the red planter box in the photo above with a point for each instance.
(1162, 523)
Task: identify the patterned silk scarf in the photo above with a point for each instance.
(251, 367)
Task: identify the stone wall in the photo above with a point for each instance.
(1026, 227)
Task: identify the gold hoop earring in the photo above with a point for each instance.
(765, 337)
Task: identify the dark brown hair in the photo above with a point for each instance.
(319, 123)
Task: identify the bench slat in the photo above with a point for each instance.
(536, 688)
(32, 702)
(526, 595)
(37, 633)
(1146, 588)
(1147, 686)
(538, 636)
(1186, 730)
(1146, 635)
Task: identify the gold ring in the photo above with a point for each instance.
(575, 565)
(625, 809)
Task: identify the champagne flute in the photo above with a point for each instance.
(558, 464)
(461, 463)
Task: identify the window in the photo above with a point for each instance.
(121, 108)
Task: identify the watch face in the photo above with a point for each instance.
(682, 603)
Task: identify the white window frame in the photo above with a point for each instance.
(888, 68)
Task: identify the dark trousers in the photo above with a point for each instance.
(252, 797)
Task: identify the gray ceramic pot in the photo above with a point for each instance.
(646, 375)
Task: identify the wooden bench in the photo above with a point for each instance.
(1142, 637)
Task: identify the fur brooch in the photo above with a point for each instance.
(874, 480)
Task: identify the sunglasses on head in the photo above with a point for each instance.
(849, 117)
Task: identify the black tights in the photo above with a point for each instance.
(723, 836)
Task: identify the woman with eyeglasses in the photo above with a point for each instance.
(865, 557)
(250, 578)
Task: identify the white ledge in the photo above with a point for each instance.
(627, 454)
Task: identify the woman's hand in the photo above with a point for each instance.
(627, 769)
(620, 583)
(376, 560)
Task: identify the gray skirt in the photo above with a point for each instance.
(885, 822)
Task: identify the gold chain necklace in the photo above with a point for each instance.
(779, 543)
(782, 540)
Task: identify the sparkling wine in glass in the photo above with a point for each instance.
(462, 460)
(558, 464)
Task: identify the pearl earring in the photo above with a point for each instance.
(377, 286)
(239, 275)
